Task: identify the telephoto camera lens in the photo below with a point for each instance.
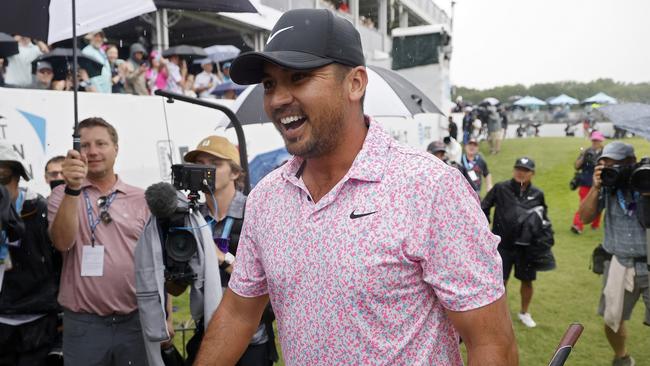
(640, 179)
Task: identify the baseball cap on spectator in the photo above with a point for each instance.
(302, 39)
(436, 146)
(226, 65)
(206, 61)
(617, 150)
(525, 163)
(597, 136)
(8, 154)
(472, 140)
(41, 65)
(216, 146)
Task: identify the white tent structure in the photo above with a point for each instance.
(600, 98)
(529, 101)
(563, 100)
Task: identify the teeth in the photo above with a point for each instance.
(290, 119)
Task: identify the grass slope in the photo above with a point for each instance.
(571, 292)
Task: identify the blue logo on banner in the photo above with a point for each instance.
(38, 123)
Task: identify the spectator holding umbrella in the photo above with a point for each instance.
(101, 83)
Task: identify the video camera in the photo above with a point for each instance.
(172, 211)
(635, 177)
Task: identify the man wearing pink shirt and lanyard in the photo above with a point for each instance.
(369, 251)
(95, 221)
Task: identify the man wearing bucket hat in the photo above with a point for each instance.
(224, 209)
(585, 164)
(28, 305)
(625, 275)
(352, 239)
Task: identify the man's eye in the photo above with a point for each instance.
(298, 76)
(267, 84)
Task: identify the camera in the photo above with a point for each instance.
(636, 177)
(172, 211)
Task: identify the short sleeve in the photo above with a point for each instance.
(460, 260)
(54, 201)
(248, 278)
(484, 167)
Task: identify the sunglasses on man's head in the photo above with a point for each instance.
(103, 210)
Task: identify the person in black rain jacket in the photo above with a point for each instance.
(520, 219)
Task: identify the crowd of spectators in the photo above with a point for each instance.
(142, 73)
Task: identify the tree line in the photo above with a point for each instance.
(624, 92)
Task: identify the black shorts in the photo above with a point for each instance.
(515, 257)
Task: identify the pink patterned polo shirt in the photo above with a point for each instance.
(363, 277)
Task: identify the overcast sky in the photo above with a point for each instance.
(499, 42)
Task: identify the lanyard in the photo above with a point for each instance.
(469, 165)
(630, 208)
(91, 217)
(20, 200)
(227, 226)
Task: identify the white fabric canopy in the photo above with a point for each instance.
(562, 100)
(528, 101)
(600, 98)
(92, 15)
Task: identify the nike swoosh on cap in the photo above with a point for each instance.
(276, 33)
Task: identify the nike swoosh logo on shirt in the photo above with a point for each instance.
(276, 33)
(356, 216)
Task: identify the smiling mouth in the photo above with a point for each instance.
(292, 122)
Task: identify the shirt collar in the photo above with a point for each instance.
(370, 163)
(119, 185)
(235, 210)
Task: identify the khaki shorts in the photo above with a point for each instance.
(631, 298)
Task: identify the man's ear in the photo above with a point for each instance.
(358, 80)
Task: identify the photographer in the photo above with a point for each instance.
(585, 164)
(224, 208)
(625, 274)
(28, 306)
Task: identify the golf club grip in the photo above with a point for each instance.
(566, 344)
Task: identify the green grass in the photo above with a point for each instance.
(571, 292)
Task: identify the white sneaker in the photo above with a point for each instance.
(527, 320)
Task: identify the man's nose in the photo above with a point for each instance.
(280, 97)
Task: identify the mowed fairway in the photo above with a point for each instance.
(571, 292)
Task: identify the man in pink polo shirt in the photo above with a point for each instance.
(370, 252)
(95, 221)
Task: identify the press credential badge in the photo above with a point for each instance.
(92, 261)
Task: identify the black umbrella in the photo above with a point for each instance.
(632, 117)
(8, 45)
(232, 6)
(62, 59)
(387, 94)
(185, 51)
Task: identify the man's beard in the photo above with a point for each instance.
(324, 138)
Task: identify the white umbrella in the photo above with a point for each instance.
(218, 53)
(562, 100)
(388, 94)
(529, 101)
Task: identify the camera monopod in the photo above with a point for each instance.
(566, 344)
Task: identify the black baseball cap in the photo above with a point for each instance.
(525, 163)
(302, 39)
